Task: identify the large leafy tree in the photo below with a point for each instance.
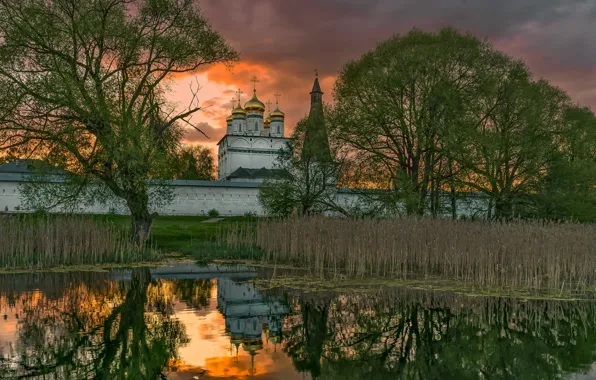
(426, 114)
(509, 140)
(85, 82)
(394, 105)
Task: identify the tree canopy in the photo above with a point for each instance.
(426, 115)
(84, 86)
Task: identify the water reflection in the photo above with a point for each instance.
(178, 323)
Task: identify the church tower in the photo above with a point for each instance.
(255, 110)
(316, 141)
(238, 118)
(277, 119)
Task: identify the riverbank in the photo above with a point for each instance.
(520, 259)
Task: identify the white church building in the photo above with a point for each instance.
(252, 142)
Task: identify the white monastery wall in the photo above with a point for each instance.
(199, 197)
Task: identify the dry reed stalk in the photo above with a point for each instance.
(28, 241)
(489, 254)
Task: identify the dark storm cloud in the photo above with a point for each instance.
(554, 37)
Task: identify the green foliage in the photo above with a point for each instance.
(194, 162)
(213, 213)
(100, 109)
(431, 113)
(308, 185)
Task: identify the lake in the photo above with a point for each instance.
(212, 322)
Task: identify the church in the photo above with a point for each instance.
(250, 147)
(249, 150)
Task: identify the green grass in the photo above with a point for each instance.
(188, 235)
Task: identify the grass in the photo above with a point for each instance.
(518, 255)
(189, 236)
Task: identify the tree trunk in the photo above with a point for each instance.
(142, 221)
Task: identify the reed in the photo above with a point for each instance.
(538, 255)
(40, 242)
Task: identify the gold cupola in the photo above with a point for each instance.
(277, 114)
(254, 104)
(238, 111)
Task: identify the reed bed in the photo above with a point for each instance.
(539, 255)
(41, 242)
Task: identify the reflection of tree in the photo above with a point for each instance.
(305, 340)
(412, 335)
(104, 336)
(195, 293)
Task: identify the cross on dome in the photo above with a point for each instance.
(268, 105)
(233, 103)
(277, 96)
(254, 81)
(239, 92)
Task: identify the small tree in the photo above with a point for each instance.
(308, 183)
(84, 86)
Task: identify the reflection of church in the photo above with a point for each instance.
(248, 316)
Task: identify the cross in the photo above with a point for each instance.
(268, 106)
(254, 80)
(239, 92)
(233, 103)
(277, 96)
(317, 73)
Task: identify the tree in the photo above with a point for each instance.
(568, 189)
(84, 85)
(431, 113)
(394, 105)
(195, 162)
(308, 182)
(509, 140)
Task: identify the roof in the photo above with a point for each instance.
(316, 87)
(258, 173)
(30, 166)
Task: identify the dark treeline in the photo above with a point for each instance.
(430, 114)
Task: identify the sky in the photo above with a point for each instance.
(282, 42)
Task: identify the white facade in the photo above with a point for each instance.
(248, 152)
(252, 141)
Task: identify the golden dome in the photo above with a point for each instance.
(239, 111)
(277, 114)
(230, 118)
(254, 104)
(267, 122)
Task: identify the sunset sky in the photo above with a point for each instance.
(282, 42)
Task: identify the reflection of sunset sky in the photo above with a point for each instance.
(282, 42)
(208, 349)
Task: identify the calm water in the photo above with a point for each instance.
(185, 321)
